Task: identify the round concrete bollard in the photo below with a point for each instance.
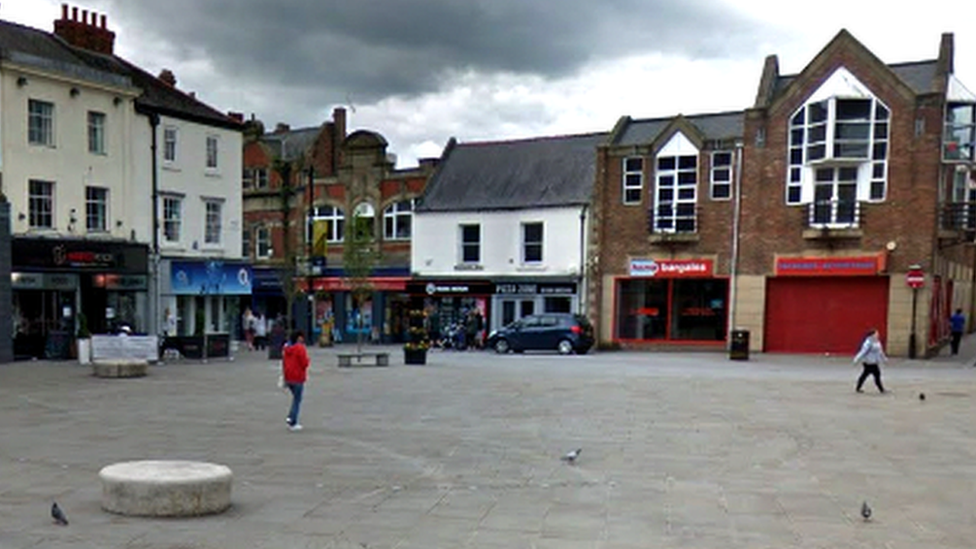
(165, 488)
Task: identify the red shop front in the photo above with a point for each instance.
(671, 300)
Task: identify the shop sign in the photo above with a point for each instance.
(210, 278)
(671, 268)
(828, 266)
(540, 288)
(120, 282)
(42, 281)
(432, 288)
(79, 255)
(339, 284)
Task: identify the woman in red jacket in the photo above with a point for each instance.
(295, 365)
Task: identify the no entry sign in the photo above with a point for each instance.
(915, 278)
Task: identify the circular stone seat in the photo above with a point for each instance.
(123, 367)
(165, 488)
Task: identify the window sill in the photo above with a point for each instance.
(668, 238)
(828, 233)
(531, 268)
(469, 267)
(211, 172)
(171, 168)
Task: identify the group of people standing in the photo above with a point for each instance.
(255, 328)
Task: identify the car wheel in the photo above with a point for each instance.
(501, 346)
(565, 347)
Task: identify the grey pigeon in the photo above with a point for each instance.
(865, 511)
(58, 515)
(572, 456)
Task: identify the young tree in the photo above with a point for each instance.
(286, 273)
(360, 254)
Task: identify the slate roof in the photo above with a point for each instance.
(505, 175)
(723, 125)
(292, 144)
(48, 51)
(919, 76)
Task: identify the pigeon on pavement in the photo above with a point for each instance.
(865, 511)
(572, 456)
(58, 515)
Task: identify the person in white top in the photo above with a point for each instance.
(260, 331)
(872, 355)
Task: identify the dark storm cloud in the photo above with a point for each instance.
(370, 49)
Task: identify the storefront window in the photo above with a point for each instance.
(672, 309)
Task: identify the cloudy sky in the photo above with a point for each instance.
(422, 71)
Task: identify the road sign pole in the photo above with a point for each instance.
(912, 348)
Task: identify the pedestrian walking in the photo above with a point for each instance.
(871, 356)
(295, 371)
(957, 323)
(247, 324)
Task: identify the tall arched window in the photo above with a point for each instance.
(365, 218)
(397, 220)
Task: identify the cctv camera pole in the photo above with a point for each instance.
(309, 279)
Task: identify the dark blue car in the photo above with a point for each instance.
(563, 332)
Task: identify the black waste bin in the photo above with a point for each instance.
(739, 347)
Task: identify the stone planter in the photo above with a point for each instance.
(415, 356)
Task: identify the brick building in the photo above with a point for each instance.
(853, 172)
(351, 174)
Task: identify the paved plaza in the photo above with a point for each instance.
(679, 450)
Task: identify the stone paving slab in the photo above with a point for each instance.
(679, 450)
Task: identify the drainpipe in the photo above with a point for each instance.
(154, 256)
(734, 264)
(580, 277)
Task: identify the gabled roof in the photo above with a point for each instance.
(724, 125)
(504, 175)
(44, 50)
(291, 144)
(918, 75)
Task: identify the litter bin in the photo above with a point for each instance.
(739, 347)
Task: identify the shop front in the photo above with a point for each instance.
(513, 300)
(825, 304)
(378, 315)
(204, 295)
(53, 279)
(671, 301)
(452, 306)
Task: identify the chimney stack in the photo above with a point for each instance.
(84, 32)
(167, 77)
(281, 127)
(236, 116)
(339, 118)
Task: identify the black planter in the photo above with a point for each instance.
(415, 356)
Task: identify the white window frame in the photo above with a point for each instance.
(172, 218)
(40, 123)
(831, 211)
(40, 204)
(96, 132)
(247, 178)
(632, 181)
(818, 142)
(213, 221)
(171, 139)
(260, 178)
(398, 220)
(96, 209)
(262, 242)
(525, 244)
(335, 220)
(213, 153)
(675, 190)
(468, 245)
(722, 174)
(246, 243)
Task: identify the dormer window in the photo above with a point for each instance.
(839, 131)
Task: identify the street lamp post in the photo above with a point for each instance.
(309, 232)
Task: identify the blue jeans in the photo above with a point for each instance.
(296, 401)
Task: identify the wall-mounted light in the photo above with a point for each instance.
(118, 222)
(21, 81)
(117, 101)
(21, 216)
(75, 92)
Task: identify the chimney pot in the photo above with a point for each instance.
(104, 21)
(64, 12)
(84, 16)
(74, 13)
